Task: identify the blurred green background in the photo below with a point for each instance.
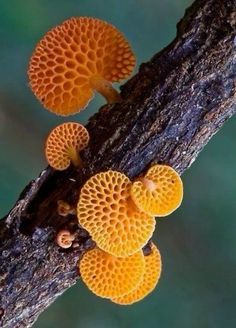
(197, 243)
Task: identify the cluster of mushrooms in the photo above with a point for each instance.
(74, 59)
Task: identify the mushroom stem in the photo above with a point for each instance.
(75, 158)
(105, 88)
(149, 184)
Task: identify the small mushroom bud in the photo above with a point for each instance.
(64, 208)
(65, 238)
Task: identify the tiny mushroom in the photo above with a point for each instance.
(64, 144)
(65, 238)
(64, 209)
(108, 276)
(159, 192)
(149, 281)
(107, 212)
(76, 58)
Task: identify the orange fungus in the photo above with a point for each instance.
(75, 58)
(64, 209)
(64, 144)
(149, 281)
(64, 238)
(108, 276)
(107, 212)
(159, 192)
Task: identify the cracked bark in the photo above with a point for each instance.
(170, 110)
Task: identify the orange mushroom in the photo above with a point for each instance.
(108, 276)
(107, 212)
(149, 281)
(159, 192)
(64, 209)
(64, 144)
(75, 58)
(64, 238)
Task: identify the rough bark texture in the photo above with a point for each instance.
(170, 110)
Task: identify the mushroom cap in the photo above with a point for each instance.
(65, 238)
(63, 142)
(69, 55)
(108, 276)
(107, 212)
(149, 281)
(166, 195)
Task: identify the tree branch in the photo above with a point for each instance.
(170, 110)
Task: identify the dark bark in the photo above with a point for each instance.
(170, 110)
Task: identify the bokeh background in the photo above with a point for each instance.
(198, 242)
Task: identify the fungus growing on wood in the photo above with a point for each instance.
(159, 192)
(64, 238)
(64, 144)
(64, 209)
(107, 212)
(108, 276)
(149, 281)
(75, 58)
